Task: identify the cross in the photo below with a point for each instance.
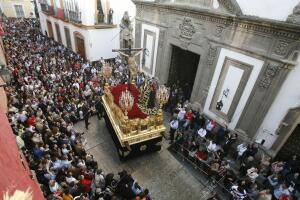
(128, 53)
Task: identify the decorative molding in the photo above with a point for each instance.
(281, 47)
(227, 64)
(252, 25)
(139, 11)
(187, 28)
(219, 30)
(271, 71)
(184, 44)
(212, 53)
(287, 63)
(161, 39)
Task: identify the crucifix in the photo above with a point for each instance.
(130, 54)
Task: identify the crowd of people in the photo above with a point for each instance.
(240, 169)
(53, 88)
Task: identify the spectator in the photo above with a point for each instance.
(173, 127)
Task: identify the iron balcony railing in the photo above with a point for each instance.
(73, 16)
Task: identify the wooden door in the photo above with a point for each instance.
(50, 30)
(80, 46)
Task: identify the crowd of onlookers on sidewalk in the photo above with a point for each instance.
(240, 169)
(52, 88)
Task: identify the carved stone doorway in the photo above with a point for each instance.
(183, 69)
(287, 143)
(291, 146)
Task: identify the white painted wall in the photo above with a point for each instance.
(288, 97)
(270, 9)
(257, 65)
(98, 42)
(88, 11)
(101, 42)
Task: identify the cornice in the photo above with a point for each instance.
(278, 28)
(289, 64)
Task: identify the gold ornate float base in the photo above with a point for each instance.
(132, 136)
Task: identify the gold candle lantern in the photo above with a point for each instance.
(162, 95)
(126, 101)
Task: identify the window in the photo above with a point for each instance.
(19, 11)
(68, 38)
(58, 32)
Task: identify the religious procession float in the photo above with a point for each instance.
(135, 127)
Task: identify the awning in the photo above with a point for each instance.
(14, 171)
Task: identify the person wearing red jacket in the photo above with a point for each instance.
(189, 118)
(85, 183)
(31, 120)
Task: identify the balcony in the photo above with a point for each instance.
(73, 16)
(47, 9)
(60, 14)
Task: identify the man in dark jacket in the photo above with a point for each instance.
(86, 115)
(99, 108)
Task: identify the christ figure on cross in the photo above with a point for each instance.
(127, 53)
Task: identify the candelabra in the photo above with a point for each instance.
(106, 71)
(162, 95)
(126, 101)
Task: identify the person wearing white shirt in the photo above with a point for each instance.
(252, 174)
(64, 150)
(94, 71)
(212, 147)
(53, 186)
(22, 116)
(181, 114)
(173, 127)
(210, 126)
(241, 149)
(202, 132)
(70, 179)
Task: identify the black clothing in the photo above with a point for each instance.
(99, 109)
(86, 115)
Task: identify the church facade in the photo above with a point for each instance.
(243, 68)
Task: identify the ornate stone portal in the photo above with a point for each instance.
(206, 31)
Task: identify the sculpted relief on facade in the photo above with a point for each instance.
(271, 71)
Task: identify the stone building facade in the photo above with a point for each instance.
(243, 61)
